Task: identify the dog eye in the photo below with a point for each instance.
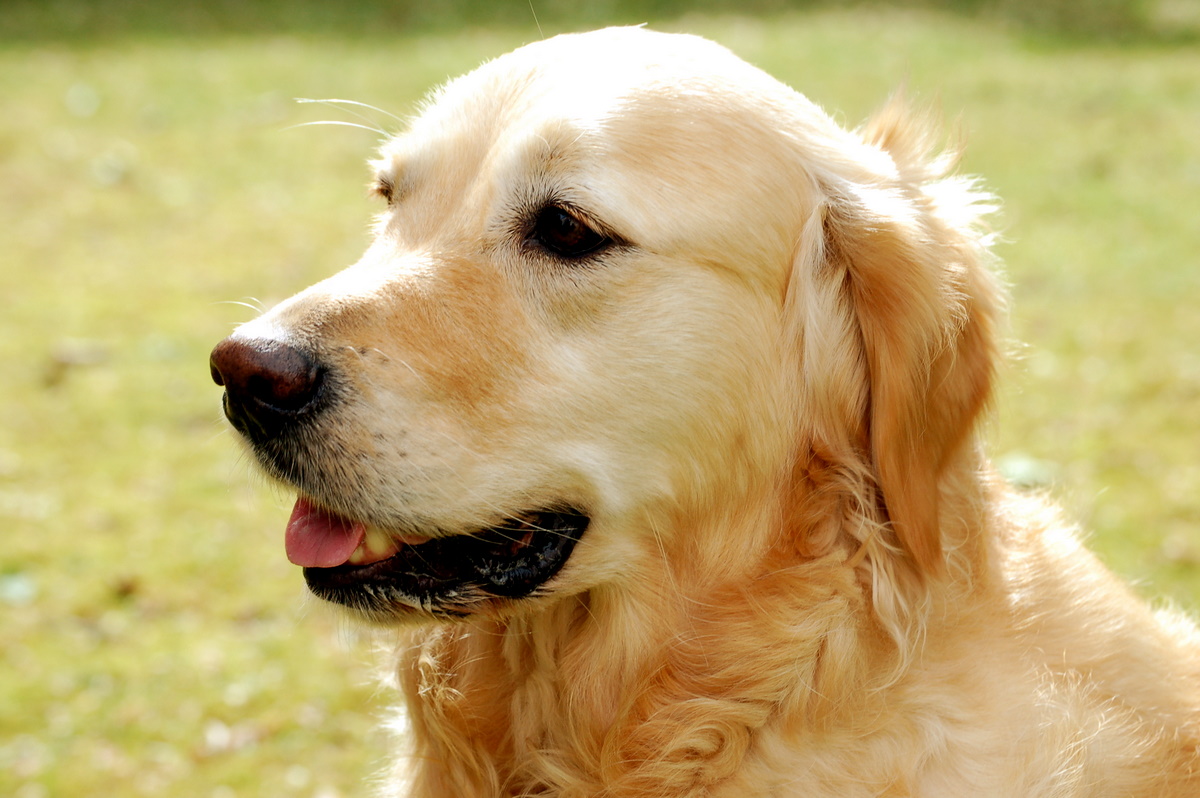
(562, 233)
(384, 188)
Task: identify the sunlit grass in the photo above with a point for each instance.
(156, 642)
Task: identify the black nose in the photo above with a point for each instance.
(268, 384)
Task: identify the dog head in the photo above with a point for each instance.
(623, 282)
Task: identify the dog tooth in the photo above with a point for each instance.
(378, 544)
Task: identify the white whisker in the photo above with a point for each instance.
(535, 20)
(253, 304)
(378, 130)
(334, 103)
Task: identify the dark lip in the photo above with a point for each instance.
(452, 575)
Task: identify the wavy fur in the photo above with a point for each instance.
(802, 576)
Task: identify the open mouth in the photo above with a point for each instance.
(380, 574)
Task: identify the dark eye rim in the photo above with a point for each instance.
(383, 187)
(593, 240)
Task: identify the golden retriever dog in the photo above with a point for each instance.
(649, 415)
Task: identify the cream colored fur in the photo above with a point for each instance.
(802, 576)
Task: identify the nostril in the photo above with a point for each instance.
(264, 377)
(215, 369)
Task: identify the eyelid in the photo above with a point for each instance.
(579, 214)
(383, 186)
(599, 227)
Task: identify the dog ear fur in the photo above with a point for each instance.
(909, 263)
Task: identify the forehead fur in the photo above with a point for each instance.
(580, 117)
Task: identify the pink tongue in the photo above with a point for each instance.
(317, 538)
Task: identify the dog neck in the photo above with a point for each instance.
(629, 693)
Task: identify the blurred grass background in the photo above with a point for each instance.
(154, 639)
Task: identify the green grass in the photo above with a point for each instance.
(156, 642)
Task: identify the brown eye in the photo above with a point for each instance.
(383, 187)
(564, 234)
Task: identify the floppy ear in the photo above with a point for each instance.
(925, 307)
